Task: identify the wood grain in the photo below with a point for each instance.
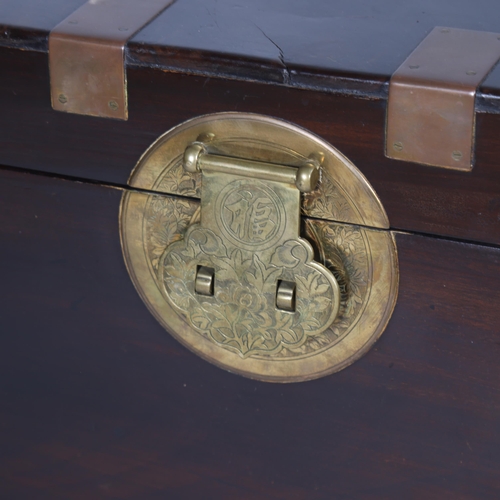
(417, 198)
(305, 44)
(99, 402)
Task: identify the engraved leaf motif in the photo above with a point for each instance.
(220, 321)
(321, 303)
(328, 202)
(308, 282)
(242, 314)
(200, 321)
(289, 336)
(319, 290)
(346, 251)
(226, 332)
(264, 319)
(165, 220)
(230, 268)
(310, 324)
(263, 275)
(177, 268)
(176, 180)
(256, 342)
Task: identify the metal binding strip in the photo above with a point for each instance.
(86, 55)
(431, 115)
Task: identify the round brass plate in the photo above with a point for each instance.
(343, 220)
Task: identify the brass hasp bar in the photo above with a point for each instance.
(305, 177)
(431, 109)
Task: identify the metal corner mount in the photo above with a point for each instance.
(431, 109)
(86, 55)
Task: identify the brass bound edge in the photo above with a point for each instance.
(86, 55)
(431, 109)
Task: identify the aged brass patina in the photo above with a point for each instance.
(431, 108)
(242, 279)
(86, 55)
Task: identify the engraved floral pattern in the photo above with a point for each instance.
(344, 252)
(166, 221)
(241, 315)
(175, 180)
(327, 202)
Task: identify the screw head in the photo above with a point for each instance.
(457, 155)
(62, 99)
(205, 137)
(113, 105)
(398, 146)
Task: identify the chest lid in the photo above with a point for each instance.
(320, 65)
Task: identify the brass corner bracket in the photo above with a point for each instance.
(86, 55)
(431, 109)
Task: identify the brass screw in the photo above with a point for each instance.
(398, 146)
(205, 137)
(62, 99)
(318, 157)
(113, 105)
(457, 155)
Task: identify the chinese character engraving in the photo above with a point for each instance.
(250, 216)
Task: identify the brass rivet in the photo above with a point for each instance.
(414, 66)
(471, 72)
(205, 137)
(62, 99)
(457, 155)
(445, 30)
(318, 157)
(398, 146)
(113, 105)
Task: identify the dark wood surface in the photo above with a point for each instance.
(302, 43)
(99, 402)
(418, 198)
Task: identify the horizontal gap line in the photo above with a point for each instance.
(126, 187)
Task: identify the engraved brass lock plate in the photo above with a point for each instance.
(284, 271)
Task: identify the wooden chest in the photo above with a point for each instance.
(99, 401)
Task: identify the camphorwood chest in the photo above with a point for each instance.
(99, 401)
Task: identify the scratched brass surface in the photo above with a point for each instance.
(431, 108)
(345, 275)
(86, 56)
